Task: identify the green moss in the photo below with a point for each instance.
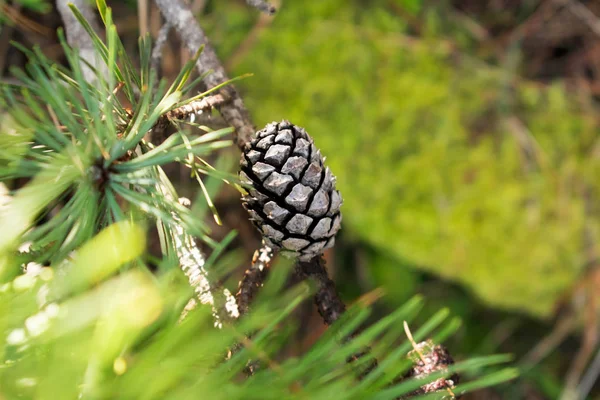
(430, 154)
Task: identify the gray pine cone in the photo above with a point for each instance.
(291, 198)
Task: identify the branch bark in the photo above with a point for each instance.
(180, 16)
(161, 39)
(192, 263)
(77, 36)
(328, 302)
(254, 278)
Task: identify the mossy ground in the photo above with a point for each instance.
(458, 167)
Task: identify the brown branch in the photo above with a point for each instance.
(328, 302)
(254, 278)
(21, 22)
(178, 14)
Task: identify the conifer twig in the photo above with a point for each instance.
(249, 41)
(179, 14)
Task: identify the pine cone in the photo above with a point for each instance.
(291, 195)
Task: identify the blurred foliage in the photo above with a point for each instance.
(79, 330)
(452, 165)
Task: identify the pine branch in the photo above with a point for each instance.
(180, 16)
(129, 182)
(583, 13)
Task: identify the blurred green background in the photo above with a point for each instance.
(447, 163)
(466, 147)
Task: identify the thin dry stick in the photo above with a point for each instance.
(590, 377)
(177, 13)
(21, 22)
(186, 112)
(198, 6)
(590, 314)
(579, 363)
(544, 347)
